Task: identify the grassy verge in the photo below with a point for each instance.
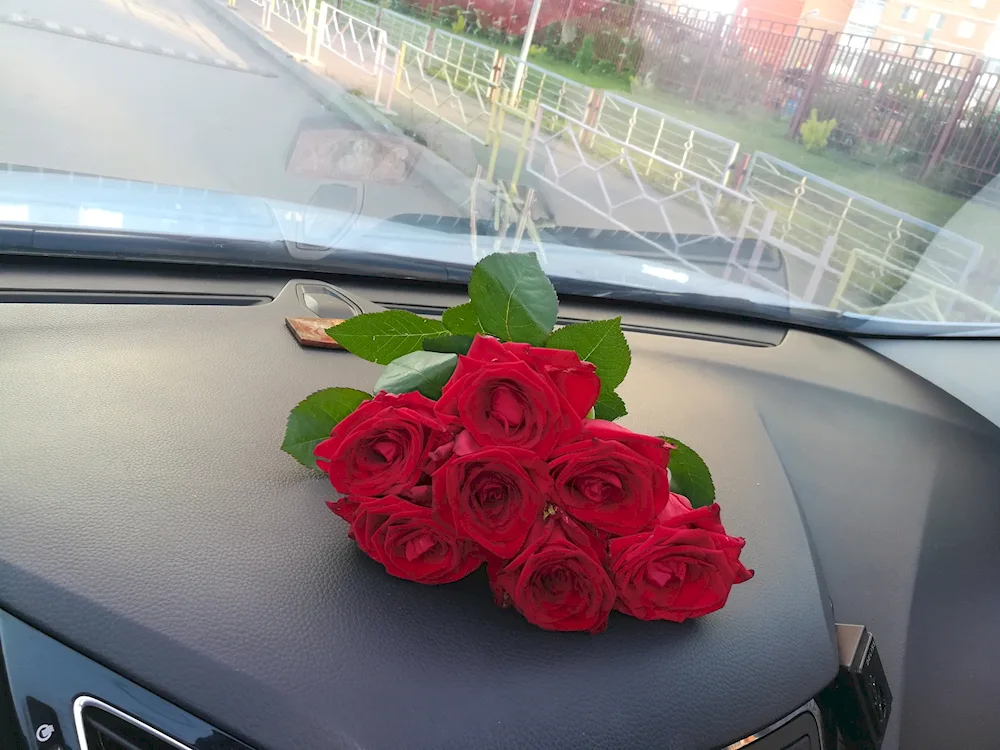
(762, 133)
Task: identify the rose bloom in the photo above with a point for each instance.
(517, 395)
(493, 496)
(382, 446)
(410, 542)
(611, 477)
(684, 566)
(558, 581)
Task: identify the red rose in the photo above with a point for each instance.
(575, 380)
(683, 567)
(499, 395)
(608, 484)
(655, 449)
(381, 447)
(493, 495)
(411, 543)
(558, 581)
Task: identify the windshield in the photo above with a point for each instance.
(831, 163)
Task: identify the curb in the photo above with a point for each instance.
(449, 181)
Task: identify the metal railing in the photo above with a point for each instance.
(812, 211)
(464, 53)
(457, 96)
(361, 44)
(677, 142)
(360, 9)
(400, 30)
(297, 13)
(560, 96)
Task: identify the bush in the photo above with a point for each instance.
(553, 37)
(605, 67)
(585, 57)
(459, 25)
(816, 132)
(535, 51)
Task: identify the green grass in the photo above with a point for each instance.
(763, 133)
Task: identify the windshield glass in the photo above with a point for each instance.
(835, 162)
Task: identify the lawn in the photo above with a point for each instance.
(763, 133)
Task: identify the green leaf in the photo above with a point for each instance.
(463, 320)
(382, 337)
(609, 406)
(514, 299)
(600, 342)
(312, 420)
(424, 372)
(689, 475)
(455, 344)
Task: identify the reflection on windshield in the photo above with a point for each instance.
(814, 158)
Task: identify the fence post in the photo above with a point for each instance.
(312, 30)
(817, 75)
(591, 116)
(265, 15)
(971, 76)
(379, 64)
(711, 54)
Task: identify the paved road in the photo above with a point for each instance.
(161, 91)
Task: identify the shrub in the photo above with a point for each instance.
(535, 50)
(605, 67)
(585, 57)
(459, 25)
(815, 132)
(553, 36)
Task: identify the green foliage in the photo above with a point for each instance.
(513, 298)
(689, 475)
(312, 420)
(600, 342)
(815, 132)
(455, 344)
(458, 26)
(463, 320)
(536, 50)
(605, 67)
(384, 336)
(424, 372)
(609, 406)
(585, 57)
(553, 36)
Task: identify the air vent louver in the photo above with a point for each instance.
(103, 727)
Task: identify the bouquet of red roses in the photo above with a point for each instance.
(490, 439)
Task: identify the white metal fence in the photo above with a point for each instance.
(560, 96)
(296, 13)
(887, 245)
(360, 9)
(465, 54)
(677, 142)
(358, 42)
(859, 254)
(456, 96)
(400, 30)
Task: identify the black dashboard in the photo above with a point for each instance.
(162, 561)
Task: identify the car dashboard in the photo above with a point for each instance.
(170, 579)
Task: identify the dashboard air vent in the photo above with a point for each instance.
(103, 727)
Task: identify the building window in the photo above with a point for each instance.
(909, 13)
(936, 21)
(966, 29)
(977, 3)
(923, 53)
(893, 44)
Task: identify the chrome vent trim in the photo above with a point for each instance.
(747, 742)
(87, 701)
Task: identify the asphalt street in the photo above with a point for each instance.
(162, 91)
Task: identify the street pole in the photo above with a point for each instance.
(529, 33)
